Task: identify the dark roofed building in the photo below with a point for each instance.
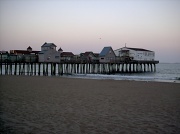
(25, 55)
(25, 52)
(89, 57)
(97, 55)
(67, 56)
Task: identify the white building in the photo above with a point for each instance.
(48, 53)
(138, 54)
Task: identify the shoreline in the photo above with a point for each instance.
(90, 76)
(84, 76)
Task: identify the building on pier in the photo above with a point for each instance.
(28, 51)
(138, 54)
(107, 55)
(48, 53)
(27, 55)
(89, 57)
(4, 56)
(3, 52)
(67, 56)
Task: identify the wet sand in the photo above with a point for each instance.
(41, 105)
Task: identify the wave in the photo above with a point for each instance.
(127, 77)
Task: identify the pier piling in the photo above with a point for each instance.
(30, 68)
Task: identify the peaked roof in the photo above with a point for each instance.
(138, 49)
(48, 44)
(64, 54)
(29, 47)
(60, 49)
(86, 54)
(105, 51)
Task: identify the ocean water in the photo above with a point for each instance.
(165, 72)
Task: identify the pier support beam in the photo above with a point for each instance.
(151, 68)
(1, 67)
(39, 68)
(130, 67)
(144, 67)
(154, 67)
(30, 68)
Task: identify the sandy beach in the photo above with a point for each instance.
(45, 105)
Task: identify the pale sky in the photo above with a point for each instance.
(90, 25)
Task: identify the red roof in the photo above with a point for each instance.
(23, 52)
(88, 53)
(67, 54)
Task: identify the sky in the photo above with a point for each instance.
(89, 25)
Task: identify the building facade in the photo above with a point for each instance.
(48, 53)
(137, 54)
(107, 55)
(67, 56)
(89, 57)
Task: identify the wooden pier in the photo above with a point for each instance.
(47, 69)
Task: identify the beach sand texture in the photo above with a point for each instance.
(40, 105)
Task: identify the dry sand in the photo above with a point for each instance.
(80, 106)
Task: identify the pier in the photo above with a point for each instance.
(51, 69)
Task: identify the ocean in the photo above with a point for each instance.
(165, 72)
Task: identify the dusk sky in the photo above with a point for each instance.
(90, 25)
